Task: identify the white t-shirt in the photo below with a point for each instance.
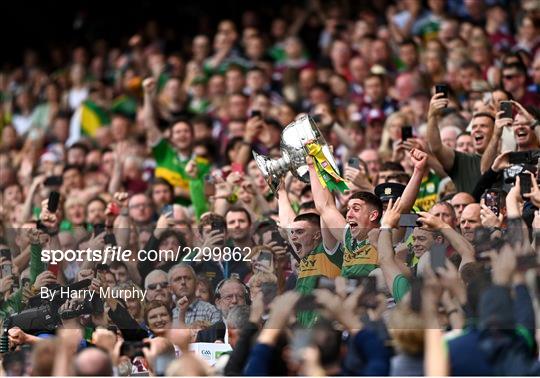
(76, 96)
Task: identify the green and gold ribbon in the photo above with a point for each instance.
(326, 173)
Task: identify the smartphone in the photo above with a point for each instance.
(438, 256)
(265, 257)
(276, 237)
(7, 270)
(54, 201)
(53, 181)
(406, 133)
(256, 113)
(54, 269)
(167, 209)
(218, 225)
(5, 253)
(506, 107)
(519, 157)
(525, 183)
(409, 220)
(354, 162)
(316, 118)
(442, 88)
(492, 201)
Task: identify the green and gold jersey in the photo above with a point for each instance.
(359, 256)
(428, 192)
(319, 263)
(172, 168)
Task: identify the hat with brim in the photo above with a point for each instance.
(389, 190)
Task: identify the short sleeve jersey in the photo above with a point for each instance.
(359, 256)
(316, 264)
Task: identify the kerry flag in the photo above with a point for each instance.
(328, 176)
(88, 118)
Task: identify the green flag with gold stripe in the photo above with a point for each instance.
(93, 117)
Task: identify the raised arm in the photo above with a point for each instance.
(443, 153)
(29, 201)
(120, 154)
(149, 112)
(285, 211)
(344, 136)
(326, 206)
(492, 149)
(387, 261)
(456, 240)
(254, 127)
(419, 159)
(433, 163)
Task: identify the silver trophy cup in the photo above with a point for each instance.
(293, 153)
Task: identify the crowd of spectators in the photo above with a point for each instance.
(149, 145)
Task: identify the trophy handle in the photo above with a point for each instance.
(265, 165)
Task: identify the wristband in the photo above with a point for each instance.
(385, 227)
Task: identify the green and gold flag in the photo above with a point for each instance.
(93, 117)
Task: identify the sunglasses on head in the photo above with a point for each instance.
(158, 285)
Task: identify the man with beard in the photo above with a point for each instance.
(524, 135)
(95, 211)
(463, 169)
(230, 293)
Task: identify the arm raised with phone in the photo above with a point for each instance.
(443, 153)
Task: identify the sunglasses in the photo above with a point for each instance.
(159, 285)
